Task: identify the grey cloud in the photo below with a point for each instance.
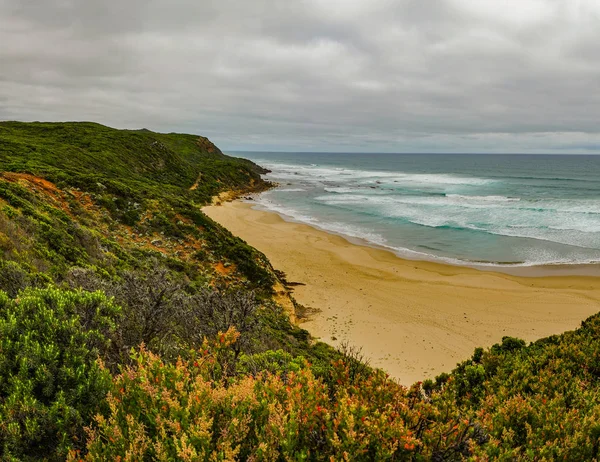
(367, 75)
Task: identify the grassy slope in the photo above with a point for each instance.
(139, 163)
(127, 178)
(88, 196)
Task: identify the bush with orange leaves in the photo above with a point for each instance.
(194, 410)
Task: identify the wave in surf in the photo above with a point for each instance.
(373, 238)
(440, 212)
(319, 174)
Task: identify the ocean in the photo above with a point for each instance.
(488, 210)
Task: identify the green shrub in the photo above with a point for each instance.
(50, 380)
(536, 402)
(10, 212)
(13, 278)
(276, 362)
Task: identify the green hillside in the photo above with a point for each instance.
(133, 327)
(74, 182)
(138, 163)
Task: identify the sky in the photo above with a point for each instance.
(313, 75)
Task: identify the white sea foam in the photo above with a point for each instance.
(459, 197)
(340, 190)
(534, 259)
(469, 205)
(442, 179)
(321, 174)
(505, 205)
(335, 227)
(507, 220)
(377, 198)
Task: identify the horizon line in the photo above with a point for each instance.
(417, 153)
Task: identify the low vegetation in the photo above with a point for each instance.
(133, 327)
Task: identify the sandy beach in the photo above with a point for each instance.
(414, 319)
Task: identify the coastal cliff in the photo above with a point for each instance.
(134, 327)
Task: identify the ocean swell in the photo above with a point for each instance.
(447, 216)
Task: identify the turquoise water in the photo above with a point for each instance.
(505, 210)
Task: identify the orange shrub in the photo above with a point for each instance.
(184, 411)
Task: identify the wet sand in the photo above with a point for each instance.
(415, 319)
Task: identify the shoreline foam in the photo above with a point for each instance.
(415, 319)
(458, 212)
(523, 269)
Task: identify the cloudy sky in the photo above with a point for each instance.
(313, 75)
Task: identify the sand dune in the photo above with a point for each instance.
(414, 319)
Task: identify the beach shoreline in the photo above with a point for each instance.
(413, 318)
(525, 270)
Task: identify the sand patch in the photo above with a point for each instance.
(414, 319)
